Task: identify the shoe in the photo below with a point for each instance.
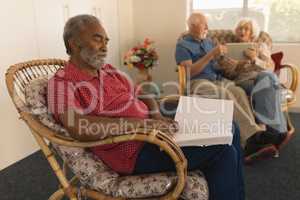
(277, 138)
(288, 136)
(257, 148)
(261, 152)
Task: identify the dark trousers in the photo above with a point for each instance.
(221, 165)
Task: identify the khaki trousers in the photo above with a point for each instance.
(226, 89)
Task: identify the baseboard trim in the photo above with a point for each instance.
(19, 160)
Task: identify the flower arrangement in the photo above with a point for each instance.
(143, 56)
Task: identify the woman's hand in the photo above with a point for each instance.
(243, 62)
(243, 65)
(250, 54)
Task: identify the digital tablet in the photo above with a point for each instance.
(236, 50)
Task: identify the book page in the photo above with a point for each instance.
(204, 121)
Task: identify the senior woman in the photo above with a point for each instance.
(255, 75)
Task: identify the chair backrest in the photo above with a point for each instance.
(18, 76)
(182, 80)
(221, 36)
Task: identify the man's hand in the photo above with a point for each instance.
(219, 50)
(164, 124)
(227, 62)
(250, 54)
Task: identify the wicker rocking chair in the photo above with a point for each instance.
(19, 76)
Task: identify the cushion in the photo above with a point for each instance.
(277, 58)
(221, 36)
(264, 37)
(94, 174)
(35, 98)
(227, 36)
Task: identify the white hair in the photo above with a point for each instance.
(194, 19)
(254, 26)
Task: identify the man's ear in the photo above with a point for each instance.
(194, 27)
(74, 45)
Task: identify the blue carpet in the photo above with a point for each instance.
(276, 179)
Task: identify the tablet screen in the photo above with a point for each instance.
(236, 50)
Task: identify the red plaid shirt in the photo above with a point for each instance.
(108, 94)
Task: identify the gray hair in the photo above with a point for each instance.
(73, 25)
(252, 22)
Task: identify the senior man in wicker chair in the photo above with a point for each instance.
(88, 92)
(200, 57)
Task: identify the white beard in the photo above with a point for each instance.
(203, 35)
(94, 59)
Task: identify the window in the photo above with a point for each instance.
(280, 18)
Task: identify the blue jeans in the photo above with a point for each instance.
(221, 164)
(265, 92)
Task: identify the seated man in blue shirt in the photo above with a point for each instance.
(198, 55)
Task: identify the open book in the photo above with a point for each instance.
(204, 122)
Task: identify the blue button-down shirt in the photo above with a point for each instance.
(188, 48)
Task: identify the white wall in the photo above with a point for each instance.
(126, 26)
(35, 31)
(16, 141)
(161, 21)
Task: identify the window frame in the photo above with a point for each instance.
(245, 10)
